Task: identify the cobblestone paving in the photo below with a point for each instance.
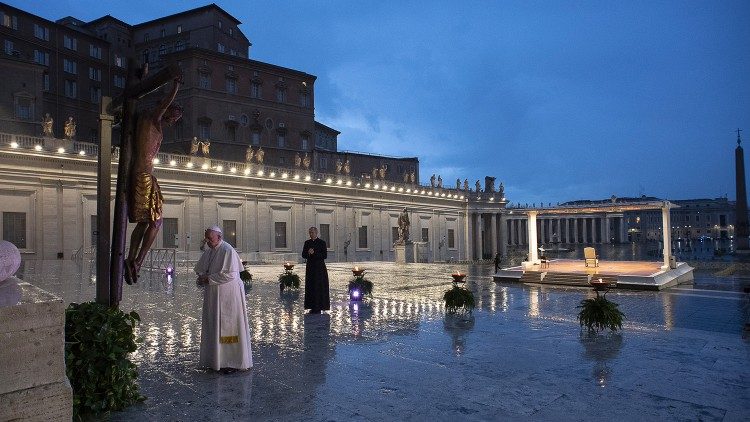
(682, 354)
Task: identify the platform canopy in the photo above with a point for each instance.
(603, 207)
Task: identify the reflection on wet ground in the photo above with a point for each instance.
(681, 355)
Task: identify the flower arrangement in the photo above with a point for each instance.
(288, 279)
(458, 299)
(359, 287)
(598, 313)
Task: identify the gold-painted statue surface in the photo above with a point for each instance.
(145, 198)
(47, 126)
(70, 128)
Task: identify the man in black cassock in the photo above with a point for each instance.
(315, 252)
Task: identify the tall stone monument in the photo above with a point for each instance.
(741, 231)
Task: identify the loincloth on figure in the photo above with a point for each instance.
(145, 202)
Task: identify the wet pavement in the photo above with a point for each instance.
(683, 353)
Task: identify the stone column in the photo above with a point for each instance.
(585, 222)
(513, 231)
(493, 236)
(531, 226)
(666, 227)
(478, 237)
(575, 230)
(559, 230)
(503, 235)
(606, 229)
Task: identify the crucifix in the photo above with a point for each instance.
(738, 136)
(135, 158)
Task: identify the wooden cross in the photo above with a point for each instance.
(109, 270)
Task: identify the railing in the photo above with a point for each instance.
(47, 145)
(160, 259)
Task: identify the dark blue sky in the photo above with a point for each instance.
(558, 100)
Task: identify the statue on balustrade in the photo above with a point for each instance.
(458, 184)
(432, 180)
(205, 145)
(249, 154)
(382, 171)
(374, 173)
(440, 181)
(297, 160)
(347, 167)
(466, 184)
(47, 126)
(306, 162)
(339, 166)
(406, 177)
(413, 177)
(194, 145)
(501, 191)
(259, 155)
(70, 128)
(478, 186)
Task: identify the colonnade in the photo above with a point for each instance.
(493, 232)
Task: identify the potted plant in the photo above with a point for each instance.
(288, 279)
(458, 299)
(359, 286)
(598, 313)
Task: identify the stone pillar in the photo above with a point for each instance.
(559, 230)
(585, 222)
(623, 234)
(531, 226)
(575, 230)
(493, 236)
(666, 226)
(503, 235)
(606, 229)
(512, 229)
(478, 237)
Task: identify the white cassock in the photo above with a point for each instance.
(225, 333)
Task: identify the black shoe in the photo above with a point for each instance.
(226, 371)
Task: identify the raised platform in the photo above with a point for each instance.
(640, 275)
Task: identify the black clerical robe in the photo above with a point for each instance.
(316, 275)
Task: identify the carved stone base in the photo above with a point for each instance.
(405, 253)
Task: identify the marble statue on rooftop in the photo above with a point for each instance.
(458, 184)
(306, 162)
(432, 180)
(478, 186)
(297, 160)
(194, 145)
(382, 171)
(205, 145)
(466, 184)
(413, 177)
(249, 154)
(439, 181)
(501, 190)
(347, 167)
(339, 166)
(259, 155)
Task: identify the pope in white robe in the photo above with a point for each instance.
(225, 333)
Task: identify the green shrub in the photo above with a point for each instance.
(458, 299)
(289, 279)
(598, 314)
(362, 284)
(98, 340)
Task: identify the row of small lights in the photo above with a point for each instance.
(329, 181)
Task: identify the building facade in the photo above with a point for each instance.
(231, 102)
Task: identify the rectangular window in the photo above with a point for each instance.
(10, 21)
(163, 33)
(362, 237)
(305, 141)
(95, 74)
(41, 57)
(9, 47)
(255, 91)
(425, 234)
(71, 89)
(179, 29)
(220, 47)
(70, 43)
(304, 100)
(451, 239)
(96, 94)
(14, 228)
(722, 220)
(231, 85)
(95, 52)
(169, 232)
(119, 81)
(325, 234)
(281, 138)
(281, 95)
(41, 32)
(24, 108)
(280, 234)
(70, 66)
(230, 232)
(119, 61)
(45, 81)
(204, 131)
(323, 163)
(232, 133)
(256, 137)
(204, 81)
(145, 37)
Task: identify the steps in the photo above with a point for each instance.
(564, 279)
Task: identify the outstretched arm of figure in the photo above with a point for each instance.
(164, 104)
